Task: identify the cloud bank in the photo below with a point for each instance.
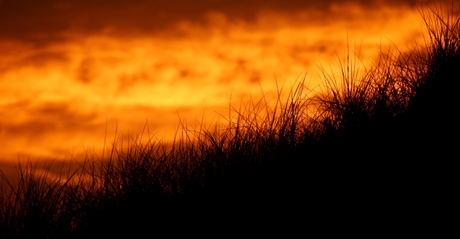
(69, 70)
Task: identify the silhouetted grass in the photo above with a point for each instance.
(377, 153)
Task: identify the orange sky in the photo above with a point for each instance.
(70, 70)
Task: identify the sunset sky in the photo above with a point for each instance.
(70, 70)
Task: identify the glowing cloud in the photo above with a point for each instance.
(59, 94)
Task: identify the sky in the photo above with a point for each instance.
(75, 73)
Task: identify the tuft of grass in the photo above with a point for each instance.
(37, 205)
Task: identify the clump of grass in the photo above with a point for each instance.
(356, 162)
(37, 205)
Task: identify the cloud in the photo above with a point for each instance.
(46, 20)
(38, 118)
(41, 59)
(51, 130)
(70, 68)
(86, 72)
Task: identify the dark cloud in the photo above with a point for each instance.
(126, 81)
(47, 19)
(44, 118)
(86, 72)
(41, 58)
(30, 129)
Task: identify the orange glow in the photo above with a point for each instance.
(60, 98)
